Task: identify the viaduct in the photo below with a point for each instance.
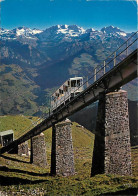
(112, 152)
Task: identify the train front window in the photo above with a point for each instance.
(76, 83)
(79, 82)
(73, 83)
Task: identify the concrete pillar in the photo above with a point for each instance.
(23, 149)
(38, 151)
(62, 156)
(112, 150)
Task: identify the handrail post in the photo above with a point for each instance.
(56, 104)
(49, 111)
(64, 98)
(87, 84)
(94, 74)
(104, 67)
(127, 48)
(114, 58)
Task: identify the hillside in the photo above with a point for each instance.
(90, 114)
(18, 93)
(18, 123)
(35, 62)
(18, 177)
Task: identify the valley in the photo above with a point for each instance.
(36, 62)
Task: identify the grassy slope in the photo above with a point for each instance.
(19, 123)
(23, 177)
(16, 91)
(19, 94)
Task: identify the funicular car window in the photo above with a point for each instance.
(60, 91)
(73, 83)
(65, 88)
(78, 83)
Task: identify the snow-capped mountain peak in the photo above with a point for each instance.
(90, 30)
(70, 30)
(36, 31)
(111, 29)
(23, 31)
(61, 32)
(19, 32)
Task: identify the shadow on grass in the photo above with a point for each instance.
(6, 181)
(127, 192)
(6, 169)
(14, 159)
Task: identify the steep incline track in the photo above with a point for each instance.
(119, 75)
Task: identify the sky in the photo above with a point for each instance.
(95, 14)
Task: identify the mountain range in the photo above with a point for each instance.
(35, 62)
(60, 32)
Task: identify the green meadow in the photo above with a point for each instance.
(19, 177)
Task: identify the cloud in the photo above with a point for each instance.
(2, 0)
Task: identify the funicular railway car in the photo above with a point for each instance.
(68, 90)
